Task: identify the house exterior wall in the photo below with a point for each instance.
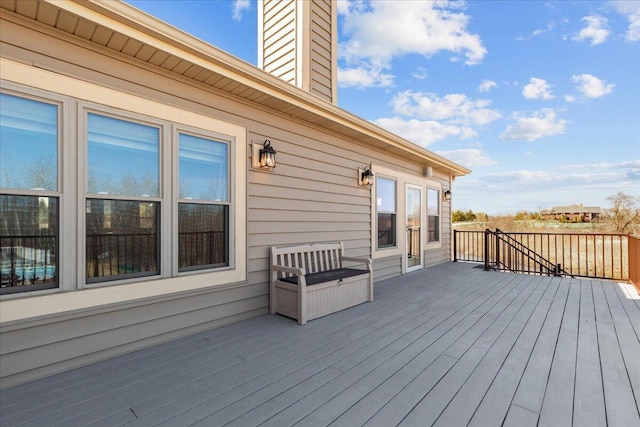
(312, 196)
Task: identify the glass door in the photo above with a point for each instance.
(414, 227)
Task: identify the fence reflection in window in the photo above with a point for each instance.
(122, 239)
(203, 236)
(28, 243)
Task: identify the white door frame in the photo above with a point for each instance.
(420, 232)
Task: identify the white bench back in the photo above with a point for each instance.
(313, 257)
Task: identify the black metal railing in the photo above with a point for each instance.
(510, 254)
(603, 256)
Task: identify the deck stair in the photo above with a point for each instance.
(505, 253)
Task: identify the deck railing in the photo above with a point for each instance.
(598, 255)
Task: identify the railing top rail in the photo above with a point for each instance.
(560, 234)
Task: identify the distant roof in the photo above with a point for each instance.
(576, 209)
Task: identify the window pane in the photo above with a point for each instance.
(28, 243)
(434, 228)
(122, 239)
(203, 168)
(123, 157)
(203, 236)
(28, 143)
(386, 230)
(386, 194)
(433, 202)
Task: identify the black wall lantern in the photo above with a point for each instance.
(365, 177)
(267, 156)
(263, 156)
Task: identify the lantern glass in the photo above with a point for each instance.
(267, 157)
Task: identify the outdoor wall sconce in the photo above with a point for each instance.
(263, 156)
(446, 195)
(365, 177)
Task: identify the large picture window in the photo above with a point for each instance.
(203, 205)
(433, 213)
(386, 190)
(143, 195)
(122, 205)
(29, 203)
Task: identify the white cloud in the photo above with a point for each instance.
(420, 73)
(364, 77)
(539, 31)
(537, 89)
(596, 30)
(631, 10)
(487, 85)
(453, 108)
(239, 6)
(376, 32)
(591, 86)
(468, 157)
(423, 132)
(542, 123)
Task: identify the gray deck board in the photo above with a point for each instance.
(451, 345)
(588, 401)
(557, 406)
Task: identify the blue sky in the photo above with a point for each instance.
(541, 99)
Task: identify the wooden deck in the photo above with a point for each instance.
(448, 346)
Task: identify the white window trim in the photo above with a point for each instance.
(25, 79)
(230, 141)
(402, 179)
(434, 185)
(83, 110)
(389, 249)
(66, 170)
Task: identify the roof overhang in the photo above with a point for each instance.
(118, 26)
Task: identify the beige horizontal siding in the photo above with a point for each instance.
(384, 268)
(29, 352)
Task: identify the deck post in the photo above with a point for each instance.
(486, 249)
(455, 245)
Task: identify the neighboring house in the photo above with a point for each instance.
(133, 209)
(572, 213)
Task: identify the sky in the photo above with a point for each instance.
(540, 99)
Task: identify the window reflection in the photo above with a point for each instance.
(433, 211)
(203, 236)
(386, 206)
(122, 239)
(202, 168)
(28, 243)
(123, 157)
(29, 143)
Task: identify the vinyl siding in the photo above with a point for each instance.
(321, 48)
(279, 39)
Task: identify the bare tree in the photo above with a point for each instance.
(624, 214)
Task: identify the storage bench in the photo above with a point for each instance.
(310, 281)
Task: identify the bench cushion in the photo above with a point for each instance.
(326, 276)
